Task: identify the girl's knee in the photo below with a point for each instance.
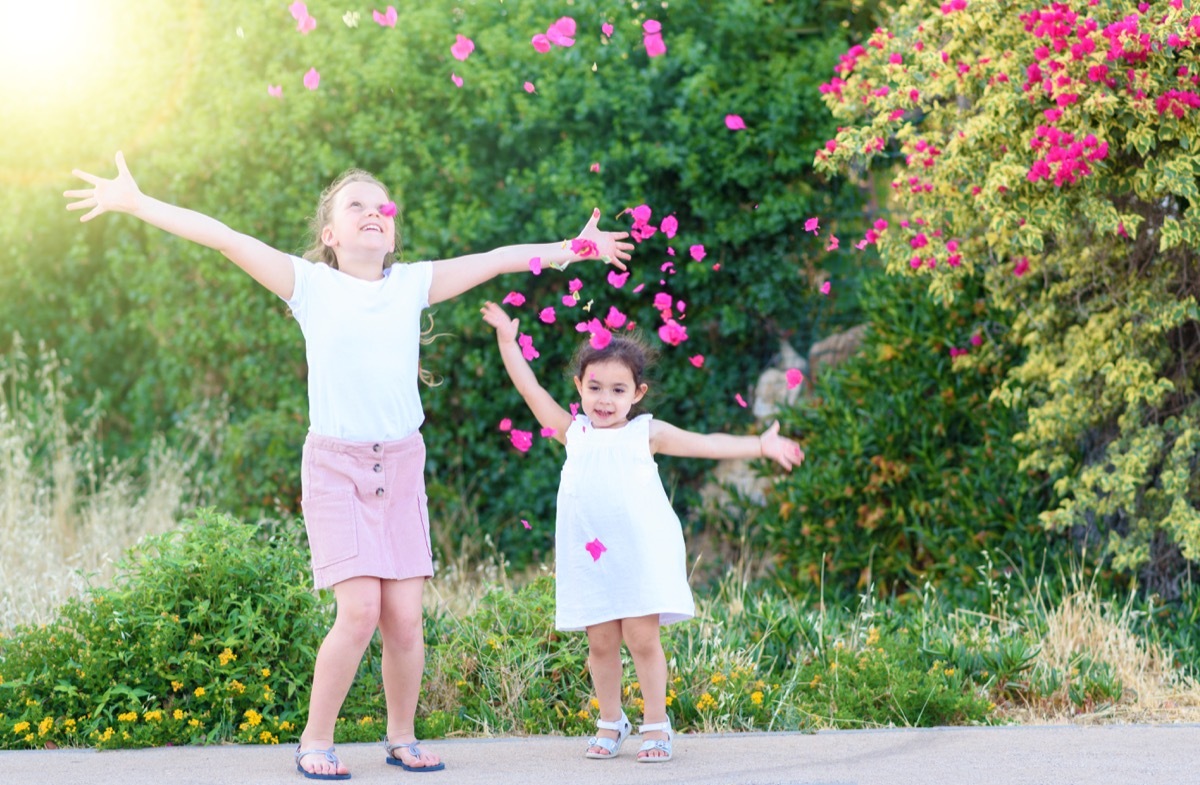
(402, 629)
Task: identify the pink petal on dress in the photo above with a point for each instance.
(595, 547)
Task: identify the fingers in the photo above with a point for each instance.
(122, 169)
(82, 175)
(594, 220)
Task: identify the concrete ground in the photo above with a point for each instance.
(1026, 755)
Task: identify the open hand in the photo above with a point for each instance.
(608, 244)
(780, 449)
(506, 328)
(119, 195)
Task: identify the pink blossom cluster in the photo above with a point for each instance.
(1177, 102)
(1065, 159)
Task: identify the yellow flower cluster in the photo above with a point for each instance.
(706, 703)
(227, 656)
(129, 716)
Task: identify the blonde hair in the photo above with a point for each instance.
(318, 251)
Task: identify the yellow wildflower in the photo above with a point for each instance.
(872, 636)
(266, 737)
(178, 714)
(706, 702)
(718, 678)
(595, 704)
(153, 716)
(129, 716)
(227, 656)
(69, 725)
(366, 721)
(45, 726)
(236, 687)
(193, 722)
(756, 698)
(266, 672)
(176, 686)
(582, 714)
(198, 692)
(286, 726)
(20, 728)
(253, 718)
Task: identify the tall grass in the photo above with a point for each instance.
(66, 512)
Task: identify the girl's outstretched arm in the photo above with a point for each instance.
(547, 411)
(271, 268)
(452, 277)
(669, 440)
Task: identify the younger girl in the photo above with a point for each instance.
(621, 570)
(362, 474)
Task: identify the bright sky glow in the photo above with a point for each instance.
(44, 46)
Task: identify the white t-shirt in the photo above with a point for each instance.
(362, 340)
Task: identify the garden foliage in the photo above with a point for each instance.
(1050, 150)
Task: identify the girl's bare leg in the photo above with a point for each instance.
(645, 646)
(400, 623)
(604, 661)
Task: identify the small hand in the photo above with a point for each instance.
(780, 449)
(506, 328)
(120, 194)
(608, 244)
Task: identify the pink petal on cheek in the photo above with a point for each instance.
(740, 400)
(388, 209)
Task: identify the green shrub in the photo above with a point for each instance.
(208, 635)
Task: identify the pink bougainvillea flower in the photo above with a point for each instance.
(663, 301)
(615, 319)
(740, 400)
(527, 350)
(458, 80)
(734, 122)
(574, 285)
(795, 377)
(549, 433)
(541, 43)
(525, 523)
(641, 214)
(535, 265)
(607, 29)
(697, 360)
(584, 248)
(616, 279)
(673, 333)
(595, 167)
(977, 340)
(697, 252)
(387, 19)
(312, 80)
(652, 38)
(522, 440)
(529, 88)
(505, 425)
(562, 32)
(387, 209)
(547, 315)
(1021, 267)
(595, 547)
(515, 299)
(275, 90)
(669, 226)
(833, 243)
(956, 352)
(462, 47)
(812, 225)
(570, 300)
(825, 287)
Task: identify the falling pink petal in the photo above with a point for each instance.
(670, 251)
(562, 32)
(584, 248)
(541, 43)
(812, 225)
(669, 226)
(672, 332)
(639, 288)
(734, 122)
(549, 433)
(600, 338)
(458, 80)
(653, 38)
(515, 299)
(595, 167)
(697, 360)
(527, 350)
(387, 209)
(595, 547)
(663, 301)
(529, 88)
(386, 19)
(697, 252)
(298, 10)
(312, 79)
(306, 25)
(525, 523)
(505, 425)
(547, 315)
(574, 285)
(833, 243)
(522, 440)
(717, 267)
(641, 214)
(535, 265)
(667, 267)
(617, 280)
(1021, 267)
(574, 409)
(825, 287)
(795, 377)
(570, 300)
(740, 400)
(275, 90)
(615, 319)
(462, 47)
(607, 29)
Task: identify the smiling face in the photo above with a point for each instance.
(356, 224)
(608, 391)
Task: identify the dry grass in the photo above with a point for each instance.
(67, 514)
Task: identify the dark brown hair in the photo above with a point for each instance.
(628, 349)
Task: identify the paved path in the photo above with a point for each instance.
(1029, 755)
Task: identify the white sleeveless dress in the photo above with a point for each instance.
(619, 544)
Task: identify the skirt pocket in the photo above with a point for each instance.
(331, 520)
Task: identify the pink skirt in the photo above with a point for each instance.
(365, 509)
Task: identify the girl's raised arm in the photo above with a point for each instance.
(547, 410)
(452, 277)
(669, 440)
(271, 268)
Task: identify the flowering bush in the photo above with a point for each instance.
(1050, 147)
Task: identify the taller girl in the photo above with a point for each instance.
(362, 474)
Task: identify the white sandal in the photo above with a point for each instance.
(663, 745)
(623, 727)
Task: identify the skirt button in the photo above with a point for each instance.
(379, 491)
